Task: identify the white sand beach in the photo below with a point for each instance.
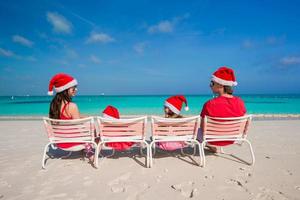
(275, 175)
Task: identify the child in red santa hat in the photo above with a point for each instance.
(172, 109)
(113, 113)
(225, 104)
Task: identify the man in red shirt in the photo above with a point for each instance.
(225, 104)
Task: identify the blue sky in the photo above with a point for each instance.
(149, 47)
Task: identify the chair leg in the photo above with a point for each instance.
(95, 155)
(44, 155)
(147, 153)
(222, 150)
(195, 148)
(203, 162)
(200, 151)
(251, 150)
(97, 151)
(154, 149)
(150, 154)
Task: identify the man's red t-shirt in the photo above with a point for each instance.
(224, 107)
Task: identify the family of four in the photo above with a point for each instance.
(223, 105)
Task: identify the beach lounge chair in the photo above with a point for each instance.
(123, 130)
(226, 129)
(70, 131)
(174, 130)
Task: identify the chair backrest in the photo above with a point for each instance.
(234, 127)
(175, 126)
(69, 130)
(129, 127)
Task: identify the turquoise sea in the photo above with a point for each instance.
(144, 104)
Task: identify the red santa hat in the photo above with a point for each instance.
(174, 103)
(61, 82)
(111, 112)
(224, 76)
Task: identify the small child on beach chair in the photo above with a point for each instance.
(172, 108)
(113, 113)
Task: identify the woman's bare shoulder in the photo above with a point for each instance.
(72, 105)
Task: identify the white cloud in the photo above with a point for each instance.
(180, 18)
(6, 53)
(272, 40)
(290, 60)
(219, 31)
(95, 59)
(31, 58)
(139, 47)
(23, 41)
(71, 53)
(100, 37)
(60, 23)
(162, 27)
(247, 44)
(167, 26)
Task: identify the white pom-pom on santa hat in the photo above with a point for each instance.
(61, 82)
(174, 103)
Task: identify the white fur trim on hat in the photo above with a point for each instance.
(223, 82)
(108, 116)
(173, 108)
(67, 86)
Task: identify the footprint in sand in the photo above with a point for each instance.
(87, 181)
(4, 183)
(120, 179)
(288, 172)
(28, 189)
(186, 189)
(118, 185)
(56, 196)
(242, 169)
(209, 177)
(297, 187)
(46, 190)
(158, 177)
(267, 193)
(140, 191)
(117, 189)
(238, 183)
